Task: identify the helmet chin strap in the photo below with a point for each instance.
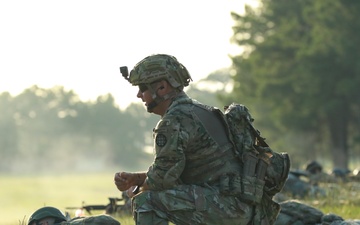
(158, 99)
(152, 105)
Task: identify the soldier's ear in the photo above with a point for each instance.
(164, 85)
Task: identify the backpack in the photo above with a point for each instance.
(259, 159)
(264, 170)
(92, 220)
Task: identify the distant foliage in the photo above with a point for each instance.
(51, 129)
(300, 68)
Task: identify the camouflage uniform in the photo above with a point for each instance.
(188, 166)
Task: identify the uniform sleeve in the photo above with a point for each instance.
(169, 160)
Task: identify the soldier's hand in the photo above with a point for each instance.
(123, 181)
(130, 192)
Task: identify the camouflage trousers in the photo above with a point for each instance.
(189, 204)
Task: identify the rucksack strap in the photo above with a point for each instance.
(213, 124)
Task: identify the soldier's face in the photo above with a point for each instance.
(145, 95)
(45, 221)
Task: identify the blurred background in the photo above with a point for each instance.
(66, 110)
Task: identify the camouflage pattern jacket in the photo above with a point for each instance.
(185, 152)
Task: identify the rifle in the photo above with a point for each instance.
(111, 208)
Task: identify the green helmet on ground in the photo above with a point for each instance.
(46, 212)
(160, 67)
(314, 167)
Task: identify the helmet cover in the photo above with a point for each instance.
(160, 67)
(45, 212)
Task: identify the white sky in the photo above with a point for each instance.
(80, 44)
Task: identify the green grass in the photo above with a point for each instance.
(22, 195)
(341, 199)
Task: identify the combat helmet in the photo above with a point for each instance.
(314, 167)
(46, 212)
(160, 67)
(155, 68)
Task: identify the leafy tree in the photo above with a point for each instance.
(8, 132)
(301, 66)
(51, 129)
(213, 89)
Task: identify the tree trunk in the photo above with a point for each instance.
(338, 124)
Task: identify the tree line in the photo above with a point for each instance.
(53, 130)
(300, 68)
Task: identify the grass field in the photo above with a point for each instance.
(341, 199)
(22, 195)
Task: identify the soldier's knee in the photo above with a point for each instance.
(149, 218)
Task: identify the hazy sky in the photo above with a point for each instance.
(80, 44)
